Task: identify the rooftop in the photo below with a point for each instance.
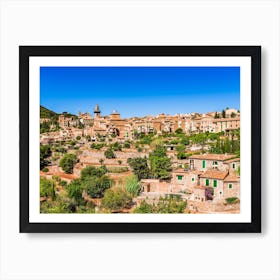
(232, 178)
(213, 156)
(232, 160)
(214, 174)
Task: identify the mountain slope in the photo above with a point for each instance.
(46, 113)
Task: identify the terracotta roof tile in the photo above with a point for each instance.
(232, 178)
(214, 174)
(213, 156)
(232, 160)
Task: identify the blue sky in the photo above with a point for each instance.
(140, 91)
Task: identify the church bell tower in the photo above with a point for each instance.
(97, 111)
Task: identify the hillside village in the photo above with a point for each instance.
(186, 163)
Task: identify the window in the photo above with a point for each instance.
(192, 179)
(215, 183)
(207, 182)
(180, 177)
(203, 164)
(230, 186)
(233, 165)
(215, 164)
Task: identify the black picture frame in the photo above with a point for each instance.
(25, 52)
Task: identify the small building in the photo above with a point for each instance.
(232, 186)
(214, 179)
(205, 162)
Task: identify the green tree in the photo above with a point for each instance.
(109, 153)
(78, 138)
(181, 152)
(47, 188)
(45, 127)
(116, 199)
(227, 146)
(140, 167)
(92, 171)
(45, 151)
(161, 165)
(185, 141)
(75, 191)
(96, 186)
(179, 131)
(216, 116)
(223, 113)
(68, 162)
(116, 146)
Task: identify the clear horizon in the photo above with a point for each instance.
(140, 91)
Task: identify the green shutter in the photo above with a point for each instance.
(207, 182)
(180, 177)
(215, 183)
(203, 164)
(230, 186)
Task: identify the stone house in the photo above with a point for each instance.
(214, 179)
(232, 165)
(232, 186)
(205, 162)
(185, 179)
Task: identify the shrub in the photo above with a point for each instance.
(95, 186)
(167, 204)
(75, 191)
(179, 131)
(181, 155)
(232, 200)
(116, 199)
(47, 188)
(209, 192)
(97, 146)
(126, 145)
(60, 205)
(45, 169)
(132, 185)
(91, 171)
(68, 162)
(116, 146)
(63, 183)
(78, 138)
(109, 153)
(117, 169)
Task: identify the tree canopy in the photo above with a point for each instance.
(68, 162)
(140, 167)
(160, 163)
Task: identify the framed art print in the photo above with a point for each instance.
(140, 138)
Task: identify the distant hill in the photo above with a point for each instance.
(48, 114)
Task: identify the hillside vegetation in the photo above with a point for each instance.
(48, 114)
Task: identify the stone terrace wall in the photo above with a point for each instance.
(93, 157)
